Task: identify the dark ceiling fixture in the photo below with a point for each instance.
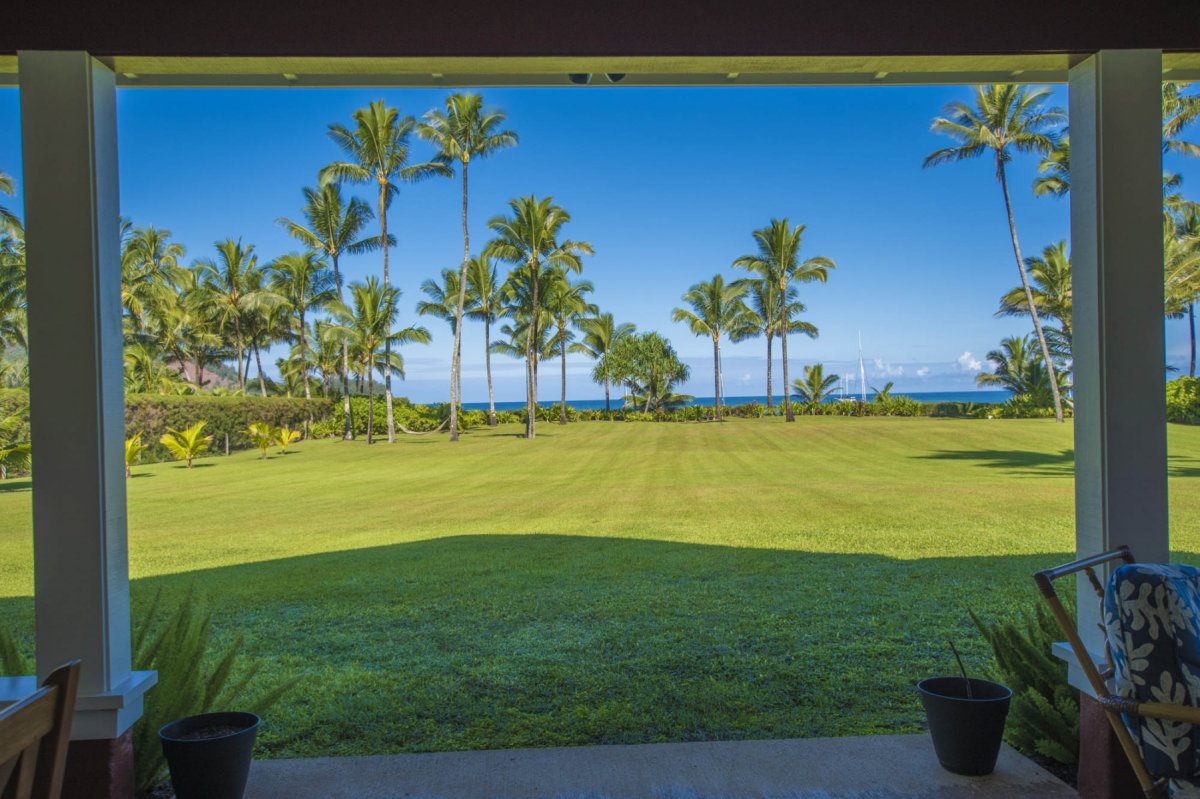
(615, 77)
(580, 78)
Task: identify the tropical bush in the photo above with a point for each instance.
(15, 451)
(187, 445)
(227, 417)
(133, 453)
(1044, 716)
(1183, 400)
(262, 436)
(284, 437)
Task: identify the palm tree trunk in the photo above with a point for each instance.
(788, 414)
(607, 407)
(370, 407)
(347, 427)
(1192, 331)
(770, 397)
(262, 384)
(487, 360)
(387, 344)
(308, 418)
(531, 339)
(237, 343)
(562, 348)
(717, 377)
(456, 366)
(1037, 323)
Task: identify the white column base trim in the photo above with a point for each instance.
(1075, 676)
(99, 716)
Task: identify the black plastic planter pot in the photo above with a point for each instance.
(966, 731)
(209, 755)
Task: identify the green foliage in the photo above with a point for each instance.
(13, 660)
(1044, 717)
(262, 436)
(193, 678)
(186, 445)
(150, 415)
(15, 451)
(1024, 406)
(284, 438)
(133, 452)
(1183, 400)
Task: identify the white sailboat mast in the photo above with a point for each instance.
(862, 372)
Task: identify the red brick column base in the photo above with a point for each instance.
(100, 769)
(1104, 771)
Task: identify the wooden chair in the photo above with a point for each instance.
(34, 734)
(1124, 714)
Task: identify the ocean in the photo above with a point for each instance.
(989, 396)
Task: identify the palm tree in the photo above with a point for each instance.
(443, 304)
(12, 293)
(778, 261)
(186, 445)
(1050, 286)
(1004, 118)
(484, 298)
(464, 131)
(1020, 368)
(378, 151)
(816, 385)
(1179, 111)
(10, 224)
(567, 304)
(367, 328)
(600, 334)
(306, 284)
(1181, 262)
(1054, 171)
(150, 262)
(717, 308)
(334, 227)
(529, 238)
(232, 290)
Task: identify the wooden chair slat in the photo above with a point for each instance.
(34, 735)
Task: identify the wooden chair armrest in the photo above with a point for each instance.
(1156, 710)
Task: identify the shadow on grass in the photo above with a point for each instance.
(1017, 461)
(481, 642)
(15, 485)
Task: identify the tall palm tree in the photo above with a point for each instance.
(717, 307)
(529, 238)
(567, 303)
(600, 334)
(816, 385)
(465, 130)
(1050, 286)
(778, 261)
(10, 224)
(333, 227)
(1179, 111)
(232, 290)
(484, 303)
(1181, 263)
(443, 304)
(149, 264)
(12, 293)
(1054, 170)
(378, 151)
(1003, 119)
(306, 284)
(368, 327)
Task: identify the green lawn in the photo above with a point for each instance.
(608, 582)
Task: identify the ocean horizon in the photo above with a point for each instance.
(983, 396)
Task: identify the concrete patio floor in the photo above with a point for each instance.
(872, 767)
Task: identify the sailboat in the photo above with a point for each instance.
(862, 372)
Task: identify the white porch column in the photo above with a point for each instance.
(1117, 261)
(81, 576)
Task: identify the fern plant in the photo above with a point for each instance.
(193, 678)
(187, 444)
(285, 437)
(1044, 715)
(262, 436)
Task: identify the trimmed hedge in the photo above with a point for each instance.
(151, 414)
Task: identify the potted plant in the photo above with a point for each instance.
(966, 720)
(209, 755)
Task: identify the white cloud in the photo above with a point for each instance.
(746, 379)
(885, 369)
(923, 371)
(969, 363)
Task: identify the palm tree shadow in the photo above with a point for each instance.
(15, 486)
(1041, 464)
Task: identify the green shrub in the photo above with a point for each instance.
(1044, 716)
(1183, 400)
(947, 410)
(150, 415)
(13, 660)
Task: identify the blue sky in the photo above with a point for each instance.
(667, 185)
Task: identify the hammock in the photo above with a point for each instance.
(437, 429)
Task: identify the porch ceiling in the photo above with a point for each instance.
(549, 71)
